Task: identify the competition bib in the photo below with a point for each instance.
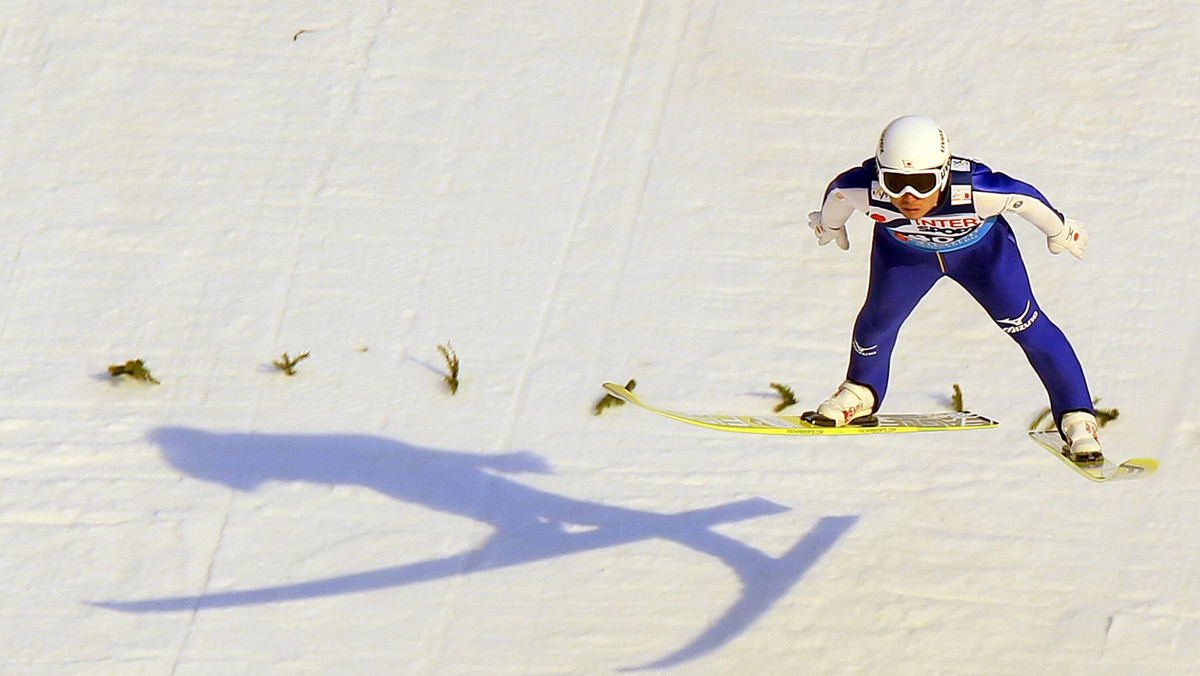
(941, 233)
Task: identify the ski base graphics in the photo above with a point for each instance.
(793, 424)
(1099, 471)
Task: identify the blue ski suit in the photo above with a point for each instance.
(966, 238)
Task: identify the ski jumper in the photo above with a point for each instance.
(966, 238)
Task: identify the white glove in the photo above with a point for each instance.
(1072, 238)
(826, 234)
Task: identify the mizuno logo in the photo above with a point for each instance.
(1020, 323)
(866, 351)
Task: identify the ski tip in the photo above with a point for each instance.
(619, 392)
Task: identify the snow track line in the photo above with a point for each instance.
(635, 119)
(9, 283)
(208, 573)
(539, 335)
(343, 105)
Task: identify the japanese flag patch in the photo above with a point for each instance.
(960, 194)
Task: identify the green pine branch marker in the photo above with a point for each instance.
(451, 358)
(786, 395)
(134, 368)
(288, 364)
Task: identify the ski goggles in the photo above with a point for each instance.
(920, 184)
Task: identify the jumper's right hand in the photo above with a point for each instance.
(826, 234)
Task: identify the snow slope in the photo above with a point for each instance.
(571, 193)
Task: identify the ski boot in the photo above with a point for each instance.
(852, 404)
(1081, 432)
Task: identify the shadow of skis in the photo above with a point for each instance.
(527, 524)
(503, 549)
(764, 581)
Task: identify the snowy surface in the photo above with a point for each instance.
(571, 193)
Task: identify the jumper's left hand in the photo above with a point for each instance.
(1072, 238)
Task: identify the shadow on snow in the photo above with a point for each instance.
(528, 524)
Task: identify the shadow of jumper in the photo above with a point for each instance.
(528, 524)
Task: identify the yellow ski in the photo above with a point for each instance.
(793, 425)
(1106, 470)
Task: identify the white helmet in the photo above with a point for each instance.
(912, 145)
